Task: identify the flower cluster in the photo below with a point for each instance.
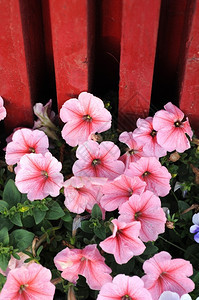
(93, 214)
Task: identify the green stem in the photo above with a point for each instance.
(174, 195)
(44, 236)
(172, 244)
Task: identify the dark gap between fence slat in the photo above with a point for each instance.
(108, 16)
(42, 86)
(166, 70)
(49, 60)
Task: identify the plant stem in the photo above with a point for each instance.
(171, 243)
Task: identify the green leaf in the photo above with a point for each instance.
(85, 226)
(67, 218)
(3, 205)
(5, 222)
(96, 212)
(100, 232)
(38, 215)
(4, 236)
(4, 260)
(150, 250)
(55, 211)
(182, 205)
(21, 239)
(2, 281)
(28, 222)
(11, 195)
(16, 219)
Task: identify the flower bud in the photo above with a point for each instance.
(175, 156)
(71, 294)
(170, 225)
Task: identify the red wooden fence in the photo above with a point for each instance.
(146, 52)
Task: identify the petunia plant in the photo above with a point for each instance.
(89, 212)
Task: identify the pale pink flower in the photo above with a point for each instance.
(16, 263)
(147, 137)
(98, 160)
(2, 109)
(124, 288)
(134, 151)
(80, 194)
(39, 176)
(124, 242)
(120, 190)
(26, 141)
(83, 116)
(145, 208)
(87, 262)
(171, 126)
(166, 274)
(150, 170)
(32, 282)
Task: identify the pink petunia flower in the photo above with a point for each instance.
(87, 262)
(134, 151)
(124, 242)
(120, 190)
(39, 176)
(124, 288)
(145, 208)
(83, 116)
(26, 141)
(166, 274)
(150, 170)
(80, 194)
(98, 160)
(147, 137)
(171, 126)
(16, 263)
(32, 282)
(2, 109)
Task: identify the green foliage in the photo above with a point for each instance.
(21, 239)
(42, 228)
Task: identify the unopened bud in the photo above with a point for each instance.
(96, 137)
(195, 141)
(71, 293)
(174, 156)
(170, 225)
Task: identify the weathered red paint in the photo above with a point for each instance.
(138, 44)
(189, 89)
(71, 40)
(14, 81)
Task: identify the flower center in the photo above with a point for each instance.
(83, 258)
(126, 297)
(44, 173)
(87, 118)
(31, 150)
(132, 151)
(137, 215)
(22, 288)
(96, 162)
(178, 123)
(130, 192)
(146, 173)
(153, 133)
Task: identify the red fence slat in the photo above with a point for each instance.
(189, 90)
(138, 44)
(14, 82)
(71, 40)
